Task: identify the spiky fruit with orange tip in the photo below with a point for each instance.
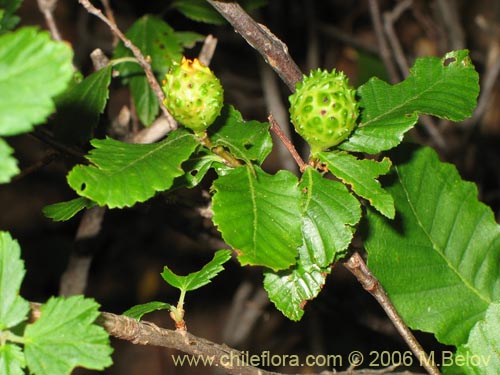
(324, 109)
(193, 95)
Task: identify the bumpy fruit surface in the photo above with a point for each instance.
(323, 109)
(193, 95)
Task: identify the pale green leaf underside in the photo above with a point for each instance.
(329, 212)
(259, 215)
(123, 174)
(439, 260)
(13, 308)
(199, 278)
(11, 360)
(483, 345)
(362, 176)
(65, 337)
(63, 211)
(290, 290)
(138, 311)
(444, 87)
(34, 70)
(8, 164)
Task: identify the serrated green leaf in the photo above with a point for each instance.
(78, 109)
(200, 278)
(198, 10)
(247, 140)
(157, 40)
(12, 360)
(290, 290)
(444, 87)
(259, 215)
(329, 212)
(362, 175)
(439, 260)
(197, 167)
(63, 211)
(64, 337)
(138, 311)
(34, 70)
(481, 354)
(8, 164)
(145, 100)
(123, 174)
(8, 18)
(13, 308)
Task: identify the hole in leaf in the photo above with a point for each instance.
(449, 61)
(247, 146)
(83, 186)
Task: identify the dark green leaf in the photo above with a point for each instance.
(78, 109)
(156, 39)
(8, 18)
(199, 10)
(247, 140)
(8, 164)
(362, 175)
(64, 337)
(138, 311)
(200, 278)
(446, 88)
(63, 211)
(259, 215)
(439, 260)
(34, 70)
(188, 39)
(145, 100)
(13, 308)
(123, 174)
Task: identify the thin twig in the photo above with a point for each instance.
(222, 356)
(347, 38)
(75, 277)
(451, 19)
(47, 8)
(208, 50)
(390, 19)
(275, 105)
(109, 13)
(143, 62)
(385, 52)
(356, 265)
(274, 51)
(276, 129)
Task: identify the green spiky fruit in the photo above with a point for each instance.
(193, 95)
(324, 109)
